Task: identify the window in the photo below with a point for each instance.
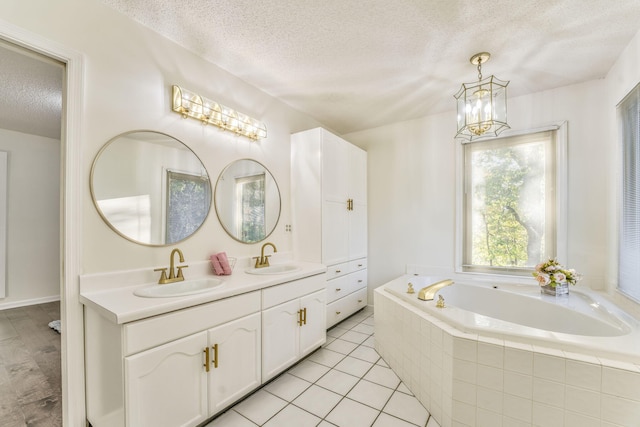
(188, 201)
(250, 194)
(509, 203)
(629, 239)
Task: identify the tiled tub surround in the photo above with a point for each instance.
(492, 379)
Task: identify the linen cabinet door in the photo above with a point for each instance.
(335, 232)
(358, 232)
(167, 385)
(235, 365)
(313, 331)
(280, 338)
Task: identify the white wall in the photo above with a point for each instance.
(412, 182)
(412, 177)
(129, 71)
(33, 218)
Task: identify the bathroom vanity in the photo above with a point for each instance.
(178, 361)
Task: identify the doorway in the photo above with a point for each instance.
(71, 204)
(30, 142)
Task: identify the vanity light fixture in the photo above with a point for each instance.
(190, 104)
(482, 105)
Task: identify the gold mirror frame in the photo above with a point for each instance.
(265, 208)
(153, 159)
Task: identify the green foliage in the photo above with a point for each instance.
(508, 205)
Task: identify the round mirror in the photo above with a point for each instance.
(247, 201)
(150, 188)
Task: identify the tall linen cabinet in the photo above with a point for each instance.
(329, 215)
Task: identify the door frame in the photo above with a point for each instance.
(71, 203)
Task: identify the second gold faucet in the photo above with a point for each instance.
(262, 260)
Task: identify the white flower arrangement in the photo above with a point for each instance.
(551, 273)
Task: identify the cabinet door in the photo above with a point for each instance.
(357, 170)
(235, 361)
(167, 385)
(335, 167)
(280, 338)
(358, 232)
(313, 332)
(335, 232)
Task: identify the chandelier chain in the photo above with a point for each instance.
(479, 69)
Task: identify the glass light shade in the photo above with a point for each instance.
(482, 108)
(189, 104)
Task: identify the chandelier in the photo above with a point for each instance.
(482, 105)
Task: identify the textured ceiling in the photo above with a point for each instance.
(30, 93)
(360, 64)
(356, 65)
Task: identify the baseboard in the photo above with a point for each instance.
(26, 302)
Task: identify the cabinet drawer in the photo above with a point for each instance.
(338, 270)
(339, 310)
(288, 291)
(344, 285)
(338, 288)
(358, 264)
(148, 333)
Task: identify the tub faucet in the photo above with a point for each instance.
(262, 260)
(429, 292)
(173, 276)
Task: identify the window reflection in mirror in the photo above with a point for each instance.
(188, 200)
(247, 201)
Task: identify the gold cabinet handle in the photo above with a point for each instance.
(299, 317)
(359, 265)
(338, 312)
(359, 301)
(215, 355)
(206, 359)
(360, 281)
(338, 271)
(338, 289)
(304, 311)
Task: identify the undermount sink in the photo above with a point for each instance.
(177, 289)
(274, 269)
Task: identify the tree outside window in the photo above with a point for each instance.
(509, 203)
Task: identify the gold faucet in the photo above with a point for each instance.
(173, 276)
(429, 292)
(262, 260)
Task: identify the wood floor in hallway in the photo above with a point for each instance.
(30, 370)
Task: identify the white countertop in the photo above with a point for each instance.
(111, 294)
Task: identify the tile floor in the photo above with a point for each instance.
(343, 384)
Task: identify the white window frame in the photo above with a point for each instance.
(561, 201)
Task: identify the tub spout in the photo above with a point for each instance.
(429, 292)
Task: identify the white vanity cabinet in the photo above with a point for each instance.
(293, 323)
(154, 372)
(329, 206)
(167, 385)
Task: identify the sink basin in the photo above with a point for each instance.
(274, 269)
(177, 289)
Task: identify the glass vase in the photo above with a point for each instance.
(558, 289)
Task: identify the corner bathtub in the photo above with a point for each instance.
(507, 355)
